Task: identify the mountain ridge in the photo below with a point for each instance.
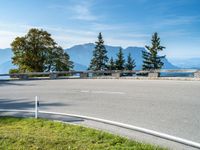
(81, 55)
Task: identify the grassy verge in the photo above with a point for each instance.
(23, 134)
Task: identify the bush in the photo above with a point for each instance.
(13, 71)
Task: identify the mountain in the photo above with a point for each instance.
(190, 63)
(82, 54)
(6, 66)
(5, 60)
(5, 55)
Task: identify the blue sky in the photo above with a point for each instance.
(123, 23)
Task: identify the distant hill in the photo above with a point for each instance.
(81, 56)
(5, 60)
(5, 55)
(6, 66)
(191, 63)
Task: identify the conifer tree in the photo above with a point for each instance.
(130, 65)
(100, 59)
(120, 60)
(111, 65)
(151, 60)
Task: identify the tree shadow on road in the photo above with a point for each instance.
(15, 83)
(24, 104)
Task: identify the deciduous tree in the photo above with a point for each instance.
(38, 52)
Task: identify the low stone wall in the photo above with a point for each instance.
(23, 77)
(53, 76)
(116, 74)
(153, 74)
(197, 74)
(83, 75)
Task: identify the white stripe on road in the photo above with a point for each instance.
(101, 92)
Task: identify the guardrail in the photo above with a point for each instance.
(115, 74)
(122, 125)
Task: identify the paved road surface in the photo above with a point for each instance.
(172, 107)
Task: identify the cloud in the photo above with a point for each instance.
(179, 20)
(78, 10)
(67, 37)
(82, 11)
(7, 37)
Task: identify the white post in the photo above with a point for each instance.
(36, 107)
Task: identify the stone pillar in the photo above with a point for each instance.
(116, 74)
(197, 74)
(83, 75)
(53, 76)
(23, 77)
(153, 74)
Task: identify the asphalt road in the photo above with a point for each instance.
(171, 107)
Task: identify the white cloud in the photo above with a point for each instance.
(78, 10)
(82, 11)
(179, 20)
(6, 37)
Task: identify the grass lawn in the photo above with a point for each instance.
(32, 134)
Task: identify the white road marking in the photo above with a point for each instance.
(102, 92)
(84, 91)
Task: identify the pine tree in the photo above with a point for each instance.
(130, 65)
(120, 60)
(151, 60)
(111, 65)
(100, 59)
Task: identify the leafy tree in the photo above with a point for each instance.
(38, 52)
(100, 59)
(151, 60)
(120, 60)
(60, 61)
(111, 65)
(130, 65)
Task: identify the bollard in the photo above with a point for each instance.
(36, 107)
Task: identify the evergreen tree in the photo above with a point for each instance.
(100, 59)
(130, 65)
(151, 60)
(111, 65)
(38, 52)
(120, 60)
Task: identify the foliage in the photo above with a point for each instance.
(120, 61)
(38, 52)
(151, 60)
(31, 134)
(100, 59)
(12, 71)
(130, 65)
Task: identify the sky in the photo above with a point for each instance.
(122, 22)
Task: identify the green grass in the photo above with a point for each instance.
(32, 134)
